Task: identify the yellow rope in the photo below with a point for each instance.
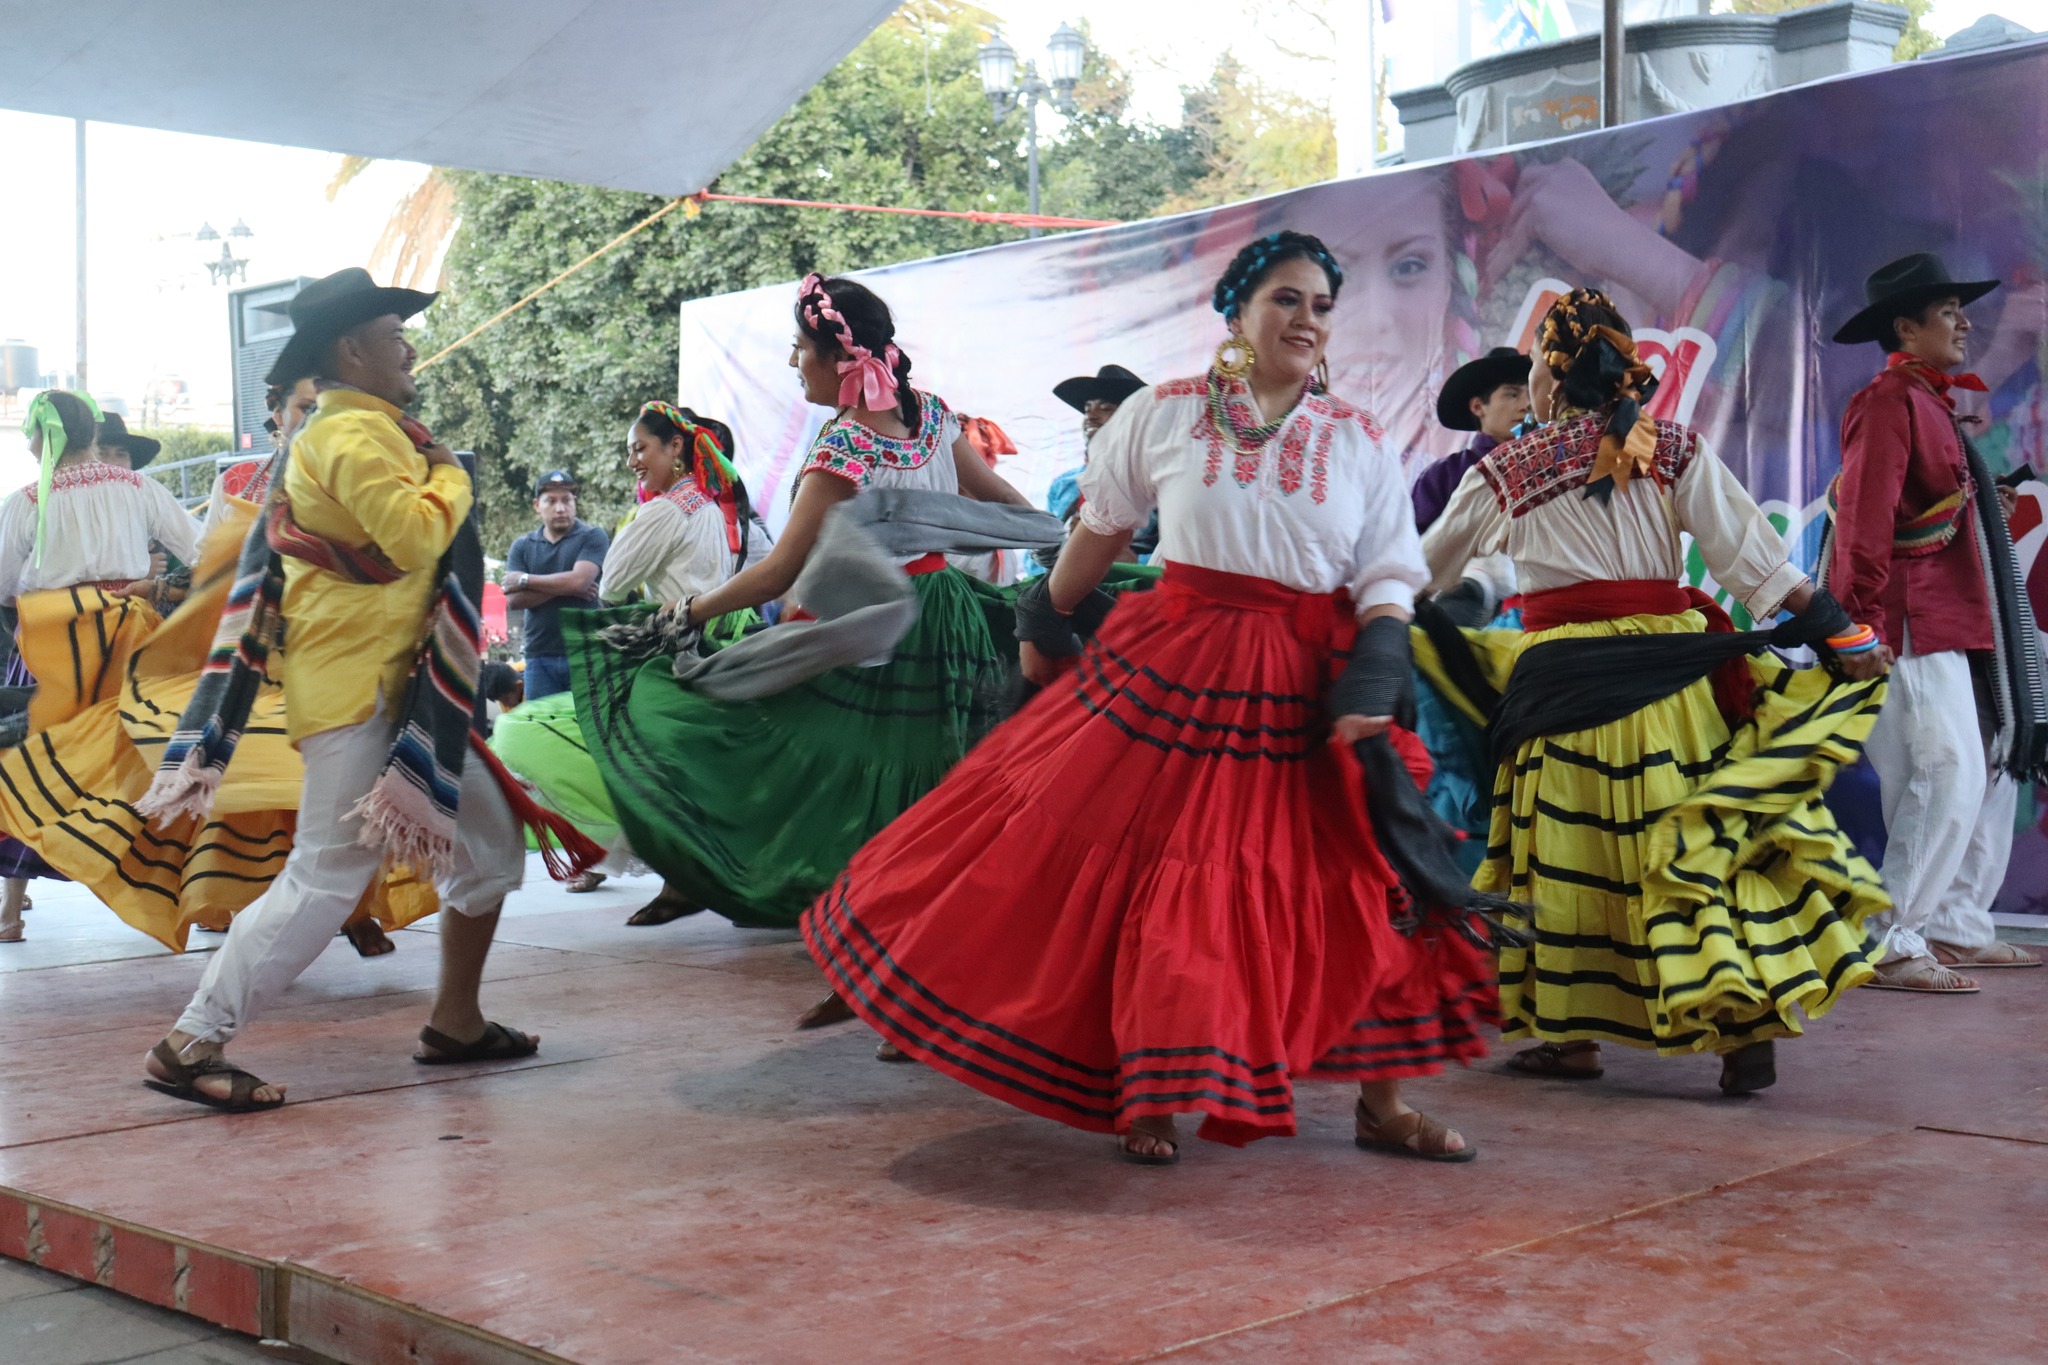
(649, 221)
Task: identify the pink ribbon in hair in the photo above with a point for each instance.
(864, 379)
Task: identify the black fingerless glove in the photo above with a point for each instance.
(1822, 619)
(1469, 604)
(1376, 679)
(1050, 632)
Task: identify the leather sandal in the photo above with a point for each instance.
(1993, 956)
(1413, 1134)
(833, 1009)
(368, 938)
(1749, 1069)
(1548, 1059)
(889, 1052)
(498, 1044)
(669, 905)
(1169, 1157)
(584, 883)
(1922, 975)
(181, 1082)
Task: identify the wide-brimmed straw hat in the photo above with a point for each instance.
(330, 306)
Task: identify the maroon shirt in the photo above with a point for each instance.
(1900, 456)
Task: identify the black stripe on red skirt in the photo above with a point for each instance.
(1388, 1049)
(1152, 709)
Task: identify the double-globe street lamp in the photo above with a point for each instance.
(999, 81)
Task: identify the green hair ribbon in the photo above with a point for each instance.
(44, 419)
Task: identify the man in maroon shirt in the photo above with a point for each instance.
(1907, 560)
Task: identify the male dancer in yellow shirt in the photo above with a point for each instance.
(355, 478)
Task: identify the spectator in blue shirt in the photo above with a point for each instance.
(554, 566)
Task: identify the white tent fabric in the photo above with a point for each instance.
(651, 95)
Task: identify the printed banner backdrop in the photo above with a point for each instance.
(1735, 240)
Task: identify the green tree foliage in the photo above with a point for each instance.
(554, 385)
(1914, 41)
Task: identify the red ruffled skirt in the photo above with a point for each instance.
(1155, 890)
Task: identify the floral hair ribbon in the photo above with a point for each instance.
(710, 469)
(865, 379)
(43, 417)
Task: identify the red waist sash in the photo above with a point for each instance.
(1319, 618)
(1611, 599)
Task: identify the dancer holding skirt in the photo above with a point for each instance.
(1158, 889)
(1658, 790)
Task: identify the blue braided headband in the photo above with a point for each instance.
(1236, 286)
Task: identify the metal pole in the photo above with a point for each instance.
(78, 139)
(1031, 152)
(1372, 82)
(1613, 45)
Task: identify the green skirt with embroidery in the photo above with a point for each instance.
(751, 808)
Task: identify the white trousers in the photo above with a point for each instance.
(278, 937)
(1948, 818)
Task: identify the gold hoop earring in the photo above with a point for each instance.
(1323, 375)
(1240, 367)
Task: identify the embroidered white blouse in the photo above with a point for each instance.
(1321, 506)
(1527, 498)
(97, 529)
(849, 450)
(674, 547)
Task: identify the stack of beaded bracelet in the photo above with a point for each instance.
(1855, 642)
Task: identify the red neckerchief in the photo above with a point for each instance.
(1939, 382)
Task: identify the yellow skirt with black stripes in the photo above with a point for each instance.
(120, 682)
(1691, 892)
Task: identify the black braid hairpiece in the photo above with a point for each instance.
(1241, 277)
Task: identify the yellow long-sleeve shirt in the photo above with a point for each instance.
(355, 479)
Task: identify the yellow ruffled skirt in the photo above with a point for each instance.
(115, 680)
(1691, 892)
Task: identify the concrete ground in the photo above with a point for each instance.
(681, 1178)
(48, 1319)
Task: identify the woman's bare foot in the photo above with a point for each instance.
(217, 1086)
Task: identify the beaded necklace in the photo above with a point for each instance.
(1242, 439)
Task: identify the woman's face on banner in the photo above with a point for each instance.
(1398, 289)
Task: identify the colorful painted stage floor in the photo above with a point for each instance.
(680, 1178)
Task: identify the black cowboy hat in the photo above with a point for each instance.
(1110, 384)
(114, 432)
(1477, 379)
(1905, 287)
(326, 308)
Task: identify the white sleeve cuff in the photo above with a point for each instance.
(1765, 602)
(1388, 592)
(1094, 520)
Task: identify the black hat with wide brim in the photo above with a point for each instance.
(326, 308)
(114, 432)
(1905, 287)
(1477, 379)
(1110, 384)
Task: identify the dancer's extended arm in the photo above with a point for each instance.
(775, 575)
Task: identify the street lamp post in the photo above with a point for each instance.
(229, 267)
(1064, 52)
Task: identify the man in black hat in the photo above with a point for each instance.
(1914, 528)
(1489, 395)
(1096, 397)
(553, 566)
(120, 446)
(361, 475)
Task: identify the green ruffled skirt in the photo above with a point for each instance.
(751, 808)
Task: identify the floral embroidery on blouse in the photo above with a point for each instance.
(855, 452)
(1554, 460)
(689, 497)
(1304, 443)
(86, 475)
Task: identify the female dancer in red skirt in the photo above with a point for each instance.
(1156, 890)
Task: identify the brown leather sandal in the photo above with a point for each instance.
(1548, 1059)
(1413, 1134)
(668, 906)
(368, 938)
(833, 1009)
(181, 1081)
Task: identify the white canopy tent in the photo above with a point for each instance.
(651, 95)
